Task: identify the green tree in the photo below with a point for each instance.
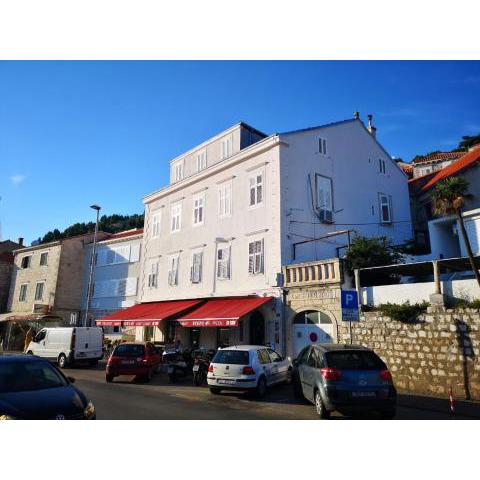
(449, 198)
(372, 252)
(468, 141)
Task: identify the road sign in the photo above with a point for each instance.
(350, 306)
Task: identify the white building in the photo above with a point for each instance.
(115, 276)
(240, 206)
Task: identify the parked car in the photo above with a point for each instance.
(69, 345)
(247, 367)
(346, 378)
(133, 358)
(31, 388)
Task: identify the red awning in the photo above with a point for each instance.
(147, 314)
(221, 312)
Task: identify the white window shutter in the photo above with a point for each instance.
(135, 252)
(131, 286)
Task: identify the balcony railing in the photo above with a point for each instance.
(320, 272)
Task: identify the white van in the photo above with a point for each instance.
(68, 345)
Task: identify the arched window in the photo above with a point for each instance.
(311, 317)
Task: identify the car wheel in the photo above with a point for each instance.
(62, 361)
(261, 387)
(322, 412)
(297, 389)
(288, 381)
(29, 352)
(215, 391)
(109, 378)
(388, 414)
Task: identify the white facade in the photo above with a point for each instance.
(116, 275)
(228, 229)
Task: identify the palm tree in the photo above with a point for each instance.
(449, 198)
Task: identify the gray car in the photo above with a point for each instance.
(347, 378)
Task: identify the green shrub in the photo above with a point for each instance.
(405, 312)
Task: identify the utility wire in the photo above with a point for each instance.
(348, 224)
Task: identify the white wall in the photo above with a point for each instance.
(419, 292)
(352, 161)
(243, 226)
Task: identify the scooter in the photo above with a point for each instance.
(201, 363)
(178, 364)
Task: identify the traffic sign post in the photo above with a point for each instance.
(350, 311)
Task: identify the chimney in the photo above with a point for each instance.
(20, 241)
(370, 127)
(356, 115)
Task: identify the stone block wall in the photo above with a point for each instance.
(439, 351)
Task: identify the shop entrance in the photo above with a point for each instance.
(223, 337)
(257, 329)
(309, 327)
(194, 338)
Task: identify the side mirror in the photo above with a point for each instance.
(71, 379)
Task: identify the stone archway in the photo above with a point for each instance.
(311, 326)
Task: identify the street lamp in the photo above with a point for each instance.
(92, 265)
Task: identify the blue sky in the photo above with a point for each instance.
(75, 133)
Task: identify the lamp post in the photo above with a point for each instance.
(92, 265)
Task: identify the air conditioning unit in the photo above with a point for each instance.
(40, 308)
(326, 216)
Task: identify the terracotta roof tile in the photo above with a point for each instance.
(438, 157)
(467, 160)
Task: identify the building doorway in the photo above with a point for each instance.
(310, 327)
(223, 337)
(257, 329)
(194, 338)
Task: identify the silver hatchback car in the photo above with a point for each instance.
(347, 378)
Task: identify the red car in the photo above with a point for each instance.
(129, 358)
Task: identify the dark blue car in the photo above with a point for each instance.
(33, 389)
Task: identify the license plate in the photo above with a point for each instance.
(363, 394)
(81, 354)
(196, 368)
(225, 382)
(128, 362)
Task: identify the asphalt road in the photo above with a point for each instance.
(127, 399)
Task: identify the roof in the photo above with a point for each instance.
(339, 346)
(126, 233)
(438, 157)
(6, 357)
(466, 161)
(332, 124)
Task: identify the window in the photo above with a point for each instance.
(231, 357)
(39, 291)
(322, 146)
(274, 356)
(176, 212)
(198, 210)
(44, 259)
(381, 165)
(73, 318)
(354, 360)
(23, 293)
(156, 222)
(196, 268)
(225, 199)
(302, 356)
(226, 147)
(385, 208)
(263, 357)
(178, 171)
(324, 198)
(201, 161)
(173, 270)
(153, 275)
(223, 263)
(256, 189)
(26, 261)
(255, 257)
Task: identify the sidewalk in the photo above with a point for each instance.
(462, 407)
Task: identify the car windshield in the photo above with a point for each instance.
(354, 360)
(25, 376)
(129, 350)
(234, 357)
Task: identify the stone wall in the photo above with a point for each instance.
(6, 268)
(440, 350)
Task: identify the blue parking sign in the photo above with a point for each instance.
(350, 305)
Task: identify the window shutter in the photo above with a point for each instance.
(251, 258)
(261, 257)
(228, 260)
(131, 286)
(135, 252)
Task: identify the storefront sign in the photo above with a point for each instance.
(209, 323)
(307, 294)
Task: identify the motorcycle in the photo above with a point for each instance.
(178, 364)
(201, 363)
